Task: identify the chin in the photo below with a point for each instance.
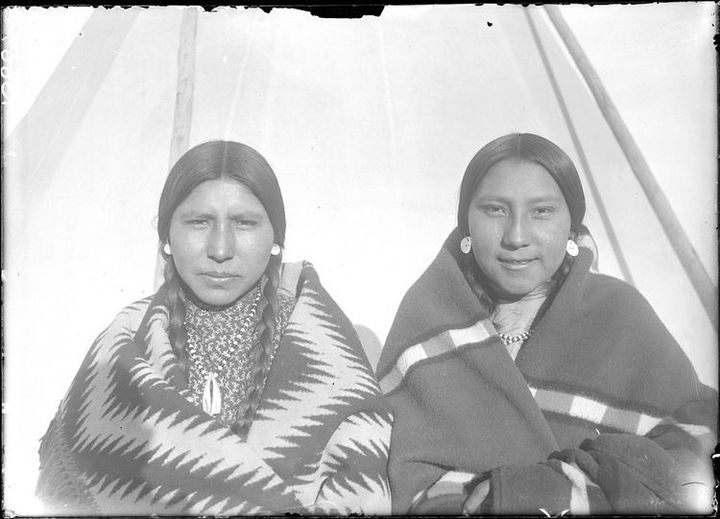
(514, 291)
(217, 299)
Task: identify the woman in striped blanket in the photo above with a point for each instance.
(240, 387)
(521, 382)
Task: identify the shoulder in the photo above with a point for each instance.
(139, 305)
(294, 275)
(122, 329)
(300, 285)
(604, 283)
(603, 291)
(137, 316)
(621, 311)
(134, 312)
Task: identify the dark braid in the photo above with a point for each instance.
(262, 350)
(176, 317)
(471, 272)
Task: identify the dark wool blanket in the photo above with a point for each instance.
(127, 439)
(602, 412)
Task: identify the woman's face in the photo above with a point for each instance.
(220, 237)
(519, 224)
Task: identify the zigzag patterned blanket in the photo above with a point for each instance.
(600, 413)
(127, 439)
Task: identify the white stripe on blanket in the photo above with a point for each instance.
(600, 413)
(579, 501)
(441, 343)
(450, 483)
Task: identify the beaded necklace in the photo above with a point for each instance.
(507, 340)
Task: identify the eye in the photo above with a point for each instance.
(198, 222)
(245, 222)
(543, 211)
(493, 210)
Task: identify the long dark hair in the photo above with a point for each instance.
(231, 160)
(526, 147)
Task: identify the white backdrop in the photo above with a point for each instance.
(368, 123)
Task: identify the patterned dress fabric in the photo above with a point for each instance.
(601, 412)
(128, 438)
(212, 332)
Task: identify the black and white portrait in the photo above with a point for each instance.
(425, 259)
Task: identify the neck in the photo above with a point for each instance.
(539, 292)
(516, 316)
(190, 296)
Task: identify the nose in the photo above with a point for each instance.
(221, 243)
(516, 233)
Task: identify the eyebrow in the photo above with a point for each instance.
(192, 213)
(534, 200)
(246, 214)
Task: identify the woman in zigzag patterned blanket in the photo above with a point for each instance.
(239, 388)
(523, 383)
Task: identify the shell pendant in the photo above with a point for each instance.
(212, 397)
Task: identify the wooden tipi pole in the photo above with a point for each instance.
(671, 225)
(182, 120)
(609, 229)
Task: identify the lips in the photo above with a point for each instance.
(515, 263)
(219, 276)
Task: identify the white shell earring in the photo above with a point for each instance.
(166, 249)
(275, 249)
(572, 248)
(466, 244)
